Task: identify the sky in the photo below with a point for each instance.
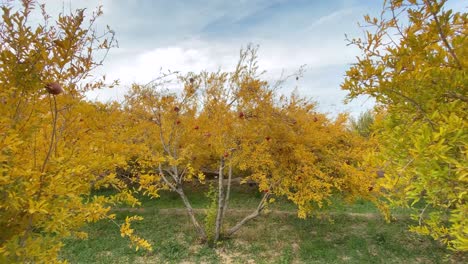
(196, 35)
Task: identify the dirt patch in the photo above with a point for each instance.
(194, 248)
(295, 248)
(106, 253)
(227, 257)
(146, 260)
(128, 209)
(345, 258)
(364, 215)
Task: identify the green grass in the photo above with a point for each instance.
(351, 234)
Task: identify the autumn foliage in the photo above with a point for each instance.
(57, 149)
(54, 146)
(413, 63)
(235, 121)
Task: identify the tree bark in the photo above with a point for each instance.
(219, 216)
(200, 230)
(228, 190)
(177, 188)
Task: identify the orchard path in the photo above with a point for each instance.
(182, 211)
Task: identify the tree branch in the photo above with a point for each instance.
(251, 216)
(441, 33)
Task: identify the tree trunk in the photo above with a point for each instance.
(251, 216)
(220, 214)
(200, 230)
(228, 190)
(178, 189)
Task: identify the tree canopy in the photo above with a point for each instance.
(54, 145)
(227, 121)
(413, 63)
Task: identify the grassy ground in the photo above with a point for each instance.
(351, 234)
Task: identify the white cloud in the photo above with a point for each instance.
(173, 38)
(207, 35)
(197, 55)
